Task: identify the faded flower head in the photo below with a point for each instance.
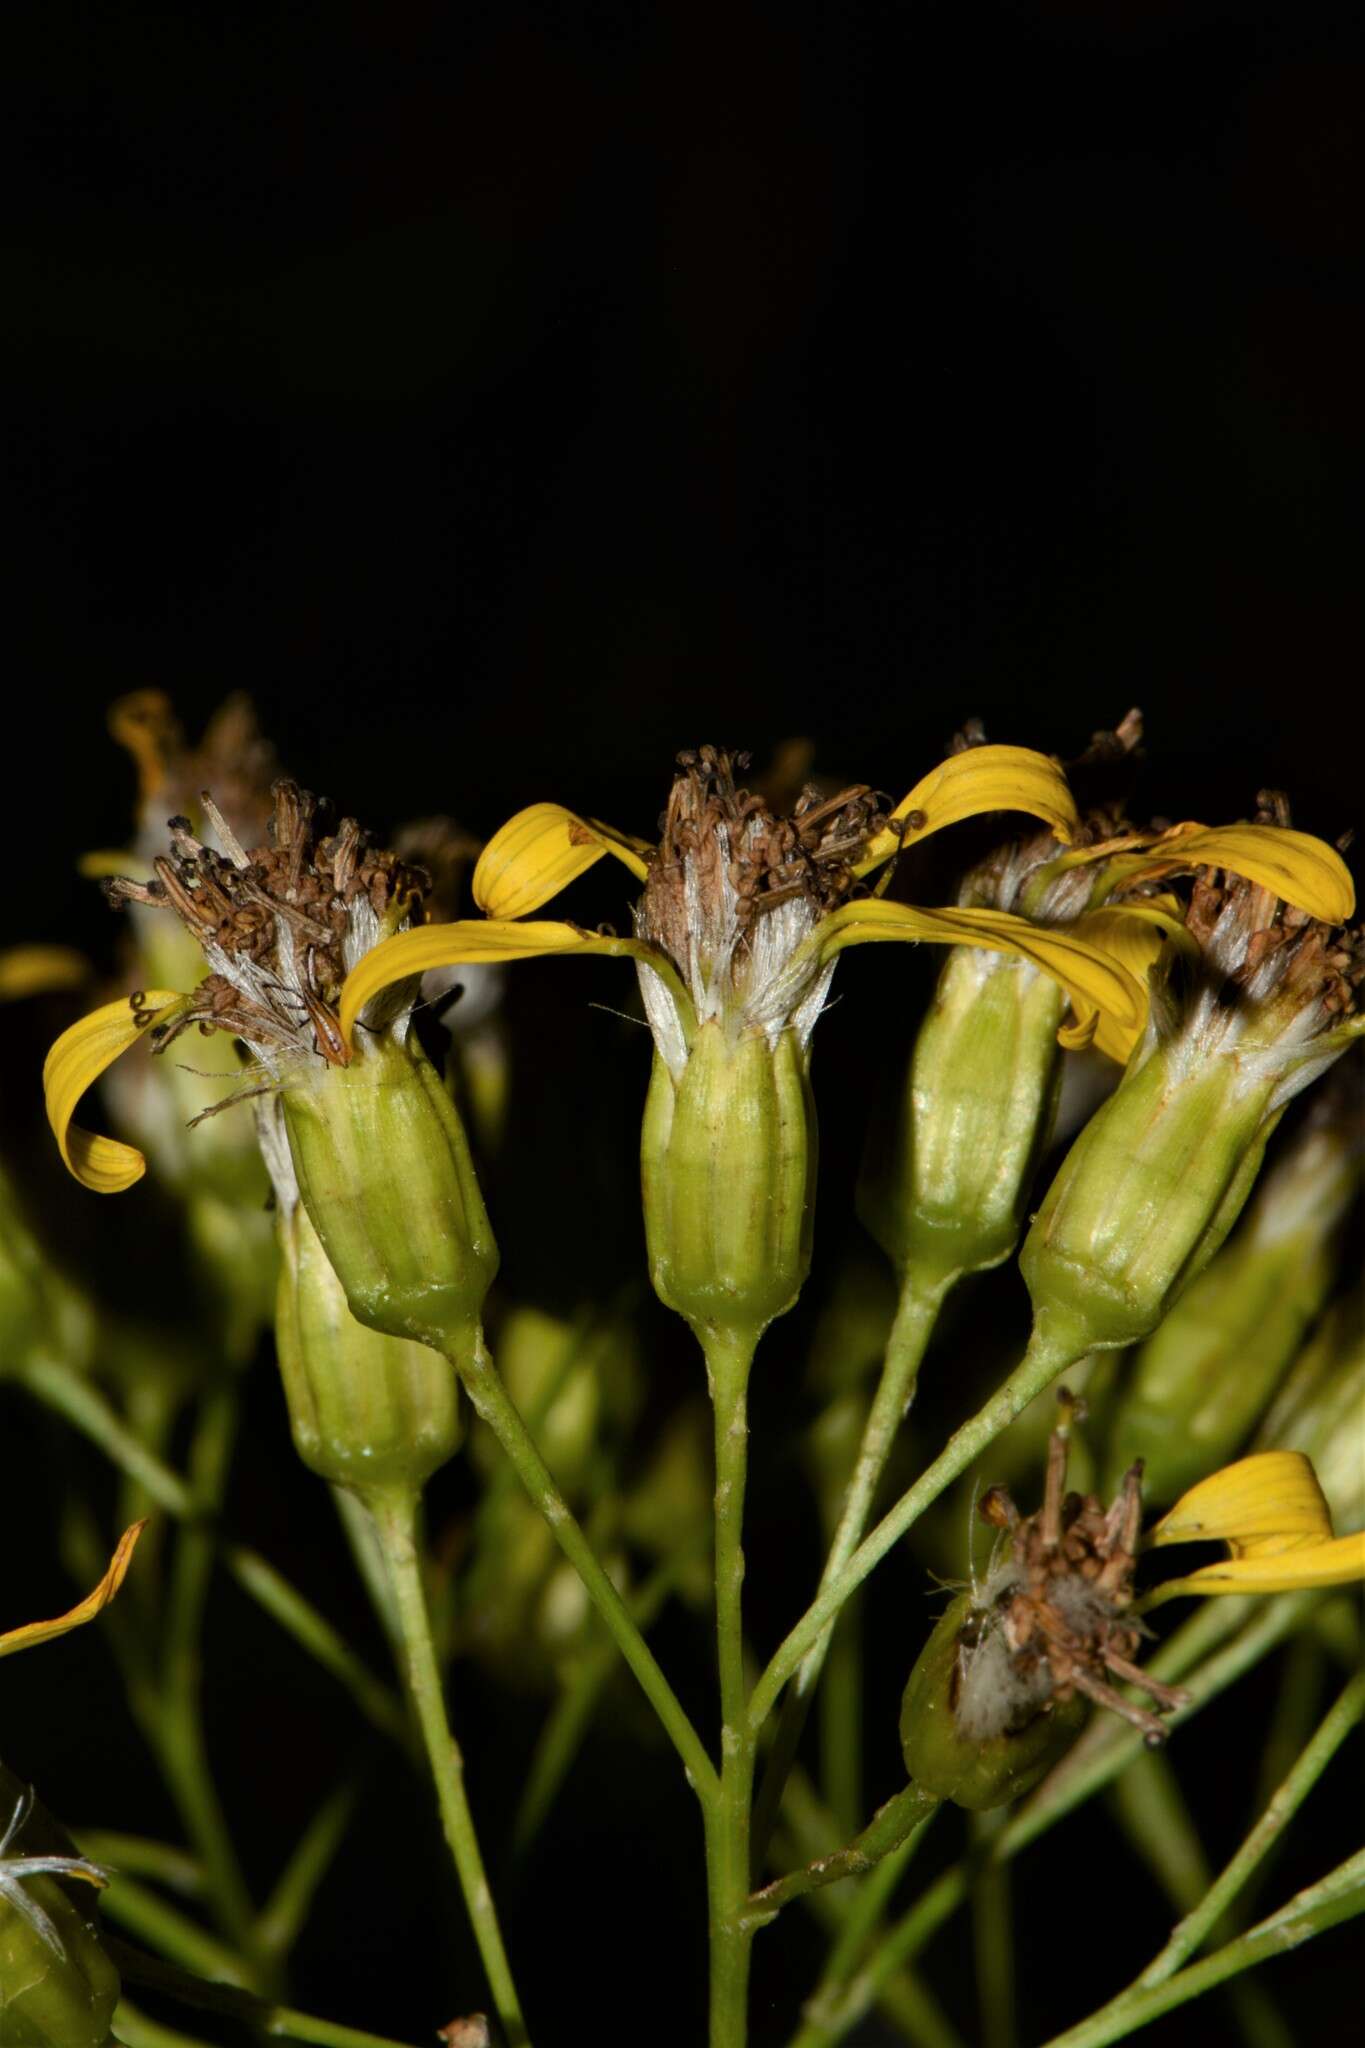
(732, 891)
(1054, 1619)
(280, 926)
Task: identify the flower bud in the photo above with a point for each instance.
(945, 1196)
(1197, 1386)
(1144, 1198)
(973, 1732)
(728, 1170)
(58, 1988)
(384, 1169)
(367, 1411)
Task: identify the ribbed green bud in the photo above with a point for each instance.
(1194, 1392)
(1145, 1197)
(947, 1177)
(1319, 1408)
(728, 1168)
(51, 1997)
(943, 1755)
(383, 1166)
(367, 1411)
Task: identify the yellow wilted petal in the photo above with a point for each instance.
(36, 970)
(1262, 1506)
(980, 779)
(468, 940)
(539, 852)
(1133, 934)
(1091, 978)
(79, 1057)
(1338, 1563)
(104, 862)
(42, 1631)
(1293, 865)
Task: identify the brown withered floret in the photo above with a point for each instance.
(1060, 1608)
(274, 922)
(724, 857)
(1262, 945)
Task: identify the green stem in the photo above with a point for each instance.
(1338, 1897)
(133, 2029)
(729, 1354)
(841, 1717)
(889, 1829)
(1045, 1359)
(394, 1517)
(277, 2022)
(282, 1918)
(172, 1933)
(993, 1938)
(492, 1402)
(183, 1751)
(916, 1314)
(81, 1403)
(568, 1722)
(1193, 1929)
(315, 1634)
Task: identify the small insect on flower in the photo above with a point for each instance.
(999, 1691)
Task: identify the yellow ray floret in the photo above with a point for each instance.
(1271, 1512)
(1093, 979)
(1293, 865)
(469, 941)
(981, 779)
(37, 970)
(1133, 935)
(43, 1631)
(77, 1059)
(539, 852)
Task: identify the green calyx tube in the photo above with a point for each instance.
(385, 1172)
(368, 1411)
(728, 1171)
(947, 1176)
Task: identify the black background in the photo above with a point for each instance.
(507, 397)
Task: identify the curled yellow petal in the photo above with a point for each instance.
(79, 1057)
(980, 779)
(1093, 979)
(1133, 934)
(1338, 1563)
(37, 970)
(469, 940)
(1295, 866)
(1262, 1506)
(43, 1631)
(539, 852)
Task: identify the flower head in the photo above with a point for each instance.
(743, 912)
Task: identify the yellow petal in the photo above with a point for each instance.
(1092, 979)
(1134, 935)
(43, 1631)
(539, 852)
(103, 862)
(980, 779)
(1262, 1506)
(79, 1057)
(1293, 865)
(1338, 1563)
(469, 940)
(146, 725)
(36, 970)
